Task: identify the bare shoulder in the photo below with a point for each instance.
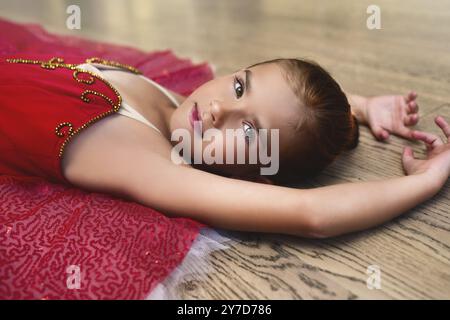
(103, 156)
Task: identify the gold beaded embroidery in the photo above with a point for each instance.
(54, 63)
(62, 125)
(87, 100)
(113, 64)
(75, 76)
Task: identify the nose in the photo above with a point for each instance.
(219, 112)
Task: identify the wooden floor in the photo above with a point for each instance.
(411, 51)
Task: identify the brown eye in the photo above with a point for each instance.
(238, 87)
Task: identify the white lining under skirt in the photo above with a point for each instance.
(195, 264)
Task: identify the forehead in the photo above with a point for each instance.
(272, 99)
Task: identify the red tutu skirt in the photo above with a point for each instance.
(56, 241)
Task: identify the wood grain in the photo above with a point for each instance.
(411, 51)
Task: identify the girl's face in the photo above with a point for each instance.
(249, 100)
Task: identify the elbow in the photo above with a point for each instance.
(311, 221)
(317, 228)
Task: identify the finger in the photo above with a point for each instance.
(411, 119)
(404, 132)
(408, 154)
(440, 121)
(430, 139)
(380, 133)
(412, 107)
(407, 157)
(412, 95)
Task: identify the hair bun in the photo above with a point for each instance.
(354, 138)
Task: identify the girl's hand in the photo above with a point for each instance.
(437, 163)
(392, 114)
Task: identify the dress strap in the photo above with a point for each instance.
(117, 65)
(163, 90)
(125, 109)
(130, 112)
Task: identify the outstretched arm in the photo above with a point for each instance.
(321, 212)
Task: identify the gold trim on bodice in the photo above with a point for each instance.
(113, 64)
(54, 63)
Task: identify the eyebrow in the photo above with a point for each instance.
(248, 86)
(248, 80)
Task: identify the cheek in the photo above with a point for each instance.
(205, 90)
(218, 89)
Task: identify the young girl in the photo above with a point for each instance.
(101, 126)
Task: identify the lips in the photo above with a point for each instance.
(194, 115)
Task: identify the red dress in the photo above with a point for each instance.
(44, 103)
(123, 249)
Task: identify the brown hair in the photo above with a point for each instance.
(327, 127)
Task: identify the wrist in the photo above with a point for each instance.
(436, 179)
(358, 106)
